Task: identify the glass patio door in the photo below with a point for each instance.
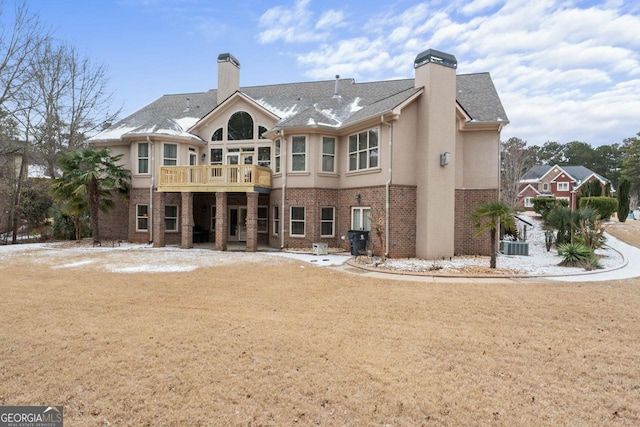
(238, 224)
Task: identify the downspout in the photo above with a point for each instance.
(152, 167)
(283, 171)
(387, 190)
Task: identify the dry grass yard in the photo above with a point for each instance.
(288, 343)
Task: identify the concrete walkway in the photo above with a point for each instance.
(629, 269)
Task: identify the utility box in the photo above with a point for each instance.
(517, 247)
(320, 249)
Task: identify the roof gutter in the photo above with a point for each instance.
(152, 168)
(387, 188)
(283, 171)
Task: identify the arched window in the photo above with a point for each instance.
(261, 131)
(217, 135)
(240, 126)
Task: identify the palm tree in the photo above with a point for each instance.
(489, 216)
(94, 176)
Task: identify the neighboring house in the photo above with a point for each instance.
(290, 165)
(560, 182)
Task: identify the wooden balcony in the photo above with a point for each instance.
(215, 178)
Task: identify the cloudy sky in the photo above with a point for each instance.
(565, 70)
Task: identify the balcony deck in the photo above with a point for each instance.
(215, 178)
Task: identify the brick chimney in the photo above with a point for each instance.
(435, 167)
(228, 76)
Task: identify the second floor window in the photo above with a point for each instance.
(170, 155)
(240, 127)
(363, 150)
(328, 154)
(264, 156)
(277, 156)
(563, 186)
(143, 157)
(298, 154)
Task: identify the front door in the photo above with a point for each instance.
(238, 224)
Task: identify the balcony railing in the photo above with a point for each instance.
(214, 178)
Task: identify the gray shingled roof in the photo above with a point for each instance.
(307, 104)
(579, 173)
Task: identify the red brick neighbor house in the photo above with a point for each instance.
(292, 165)
(560, 182)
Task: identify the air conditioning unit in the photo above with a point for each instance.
(320, 248)
(517, 247)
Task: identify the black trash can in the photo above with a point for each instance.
(358, 240)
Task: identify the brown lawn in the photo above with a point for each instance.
(293, 344)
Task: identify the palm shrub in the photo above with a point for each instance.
(560, 218)
(577, 254)
(489, 216)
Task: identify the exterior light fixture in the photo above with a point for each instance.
(445, 158)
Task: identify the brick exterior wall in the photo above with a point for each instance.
(113, 224)
(402, 216)
(466, 202)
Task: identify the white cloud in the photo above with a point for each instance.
(295, 25)
(559, 67)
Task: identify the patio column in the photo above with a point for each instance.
(221, 221)
(252, 221)
(159, 199)
(186, 219)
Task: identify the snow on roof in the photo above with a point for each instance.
(282, 113)
(113, 132)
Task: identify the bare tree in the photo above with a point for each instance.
(73, 101)
(18, 41)
(515, 161)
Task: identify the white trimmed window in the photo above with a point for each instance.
(170, 154)
(328, 154)
(143, 157)
(171, 218)
(528, 202)
(545, 186)
(298, 154)
(142, 217)
(363, 150)
(563, 186)
(264, 156)
(297, 222)
(263, 219)
(216, 156)
(276, 221)
(327, 221)
(361, 218)
(277, 156)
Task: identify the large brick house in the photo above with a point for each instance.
(560, 182)
(290, 165)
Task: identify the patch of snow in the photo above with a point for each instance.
(75, 264)
(539, 262)
(311, 122)
(187, 122)
(283, 114)
(354, 107)
(112, 133)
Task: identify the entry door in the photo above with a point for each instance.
(238, 224)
